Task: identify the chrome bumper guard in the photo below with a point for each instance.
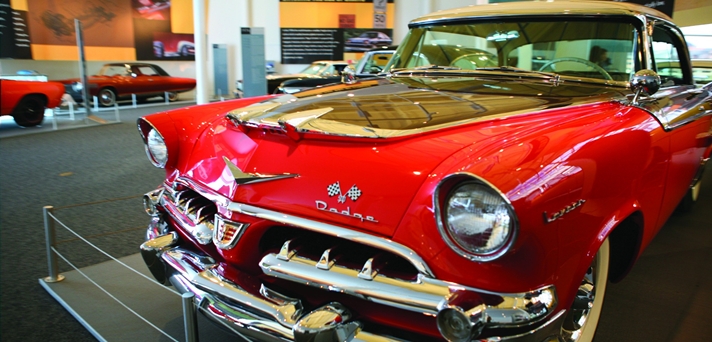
(273, 316)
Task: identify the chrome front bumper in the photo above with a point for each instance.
(274, 317)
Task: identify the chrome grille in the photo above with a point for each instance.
(192, 211)
(327, 252)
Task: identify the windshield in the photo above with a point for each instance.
(581, 48)
(314, 69)
(373, 63)
(113, 70)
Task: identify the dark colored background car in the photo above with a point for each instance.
(369, 65)
(318, 69)
(120, 80)
(26, 100)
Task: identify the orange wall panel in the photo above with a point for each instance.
(326, 14)
(71, 53)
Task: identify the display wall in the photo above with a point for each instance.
(224, 20)
(118, 29)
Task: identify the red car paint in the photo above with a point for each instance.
(16, 94)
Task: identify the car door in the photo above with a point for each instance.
(147, 80)
(683, 110)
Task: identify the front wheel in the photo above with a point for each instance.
(30, 111)
(582, 318)
(172, 96)
(107, 97)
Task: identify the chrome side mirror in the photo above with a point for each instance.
(646, 82)
(348, 75)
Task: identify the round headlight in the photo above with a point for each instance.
(77, 86)
(156, 148)
(479, 223)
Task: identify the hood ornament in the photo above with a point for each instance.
(247, 178)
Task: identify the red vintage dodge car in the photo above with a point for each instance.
(117, 81)
(445, 200)
(26, 100)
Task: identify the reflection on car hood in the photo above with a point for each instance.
(380, 108)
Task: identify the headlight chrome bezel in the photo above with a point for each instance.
(154, 137)
(150, 132)
(444, 191)
(77, 86)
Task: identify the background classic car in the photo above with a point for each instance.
(26, 100)
(367, 40)
(443, 201)
(120, 80)
(372, 63)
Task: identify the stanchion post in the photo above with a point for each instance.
(50, 238)
(96, 104)
(165, 96)
(116, 111)
(54, 120)
(71, 110)
(133, 99)
(189, 318)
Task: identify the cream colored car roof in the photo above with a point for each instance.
(541, 8)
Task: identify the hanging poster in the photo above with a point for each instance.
(333, 29)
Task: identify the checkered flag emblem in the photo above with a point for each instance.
(335, 189)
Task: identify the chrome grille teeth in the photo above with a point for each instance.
(285, 253)
(205, 214)
(367, 271)
(325, 261)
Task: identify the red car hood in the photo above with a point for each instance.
(361, 163)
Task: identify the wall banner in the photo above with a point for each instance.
(333, 29)
(14, 35)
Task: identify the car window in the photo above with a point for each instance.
(701, 75)
(666, 55)
(147, 71)
(113, 70)
(327, 71)
(583, 49)
(314, 69)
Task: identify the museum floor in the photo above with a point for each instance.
(96, 174)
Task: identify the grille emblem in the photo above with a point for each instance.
(226, 233)
(335, 189)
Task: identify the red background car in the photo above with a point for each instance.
(120, 80)
(26, 100)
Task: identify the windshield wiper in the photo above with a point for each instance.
(421, 68)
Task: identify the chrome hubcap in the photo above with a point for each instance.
(581, 320)
(695, 191)
(106, 98)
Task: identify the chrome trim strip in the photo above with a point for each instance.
(423, 295)
(248, 178)
(443, 231)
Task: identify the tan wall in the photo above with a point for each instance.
(692, 12)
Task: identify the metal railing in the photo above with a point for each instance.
(50, 220)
